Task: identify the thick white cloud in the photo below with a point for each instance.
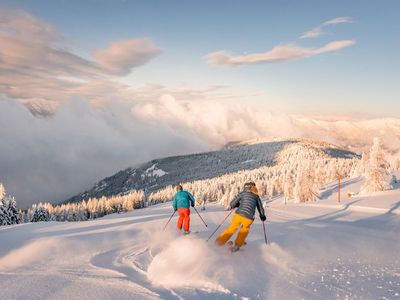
(277, 54)
(52, 159)
(217, 123)
(84, 140)
(211, 121)
(318, 31)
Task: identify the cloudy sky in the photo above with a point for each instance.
(91, 87)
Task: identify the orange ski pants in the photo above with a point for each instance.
(237, 221)
(184, 219)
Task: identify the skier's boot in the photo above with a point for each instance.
(186, 232)
(230, 243)
(235, 248)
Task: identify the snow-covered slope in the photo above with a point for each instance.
(159, 173)
(321, 250)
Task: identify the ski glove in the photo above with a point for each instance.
(192, 204)
(263, 218)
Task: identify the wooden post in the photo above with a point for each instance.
(339, 189)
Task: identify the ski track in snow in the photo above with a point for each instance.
(315, 252)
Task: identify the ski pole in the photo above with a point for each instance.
(265, 233)
(199, 216)
(220, 225)
(169, 220)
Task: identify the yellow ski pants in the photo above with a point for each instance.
(237, 221)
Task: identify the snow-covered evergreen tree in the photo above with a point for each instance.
(40, 213)
(306, 186)
(288, 187)
(376, 169)
(90, 209)
(8, 209)
(13, 211)
(364, 163)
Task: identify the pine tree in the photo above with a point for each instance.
(4, 217)
(306, 187)
(40, 213)
(298, 191)
(376, 169)
(363, 166)
(8, 209)
(13, 211)
(288, 186)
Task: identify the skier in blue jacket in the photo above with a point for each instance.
(181, 203)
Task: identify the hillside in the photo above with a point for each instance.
(319, 250)
(159, 173)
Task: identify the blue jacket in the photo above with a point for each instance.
(182, 199)
(247, 202)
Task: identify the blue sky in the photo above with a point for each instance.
(359, 79)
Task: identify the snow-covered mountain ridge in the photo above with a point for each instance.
(248, 155)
